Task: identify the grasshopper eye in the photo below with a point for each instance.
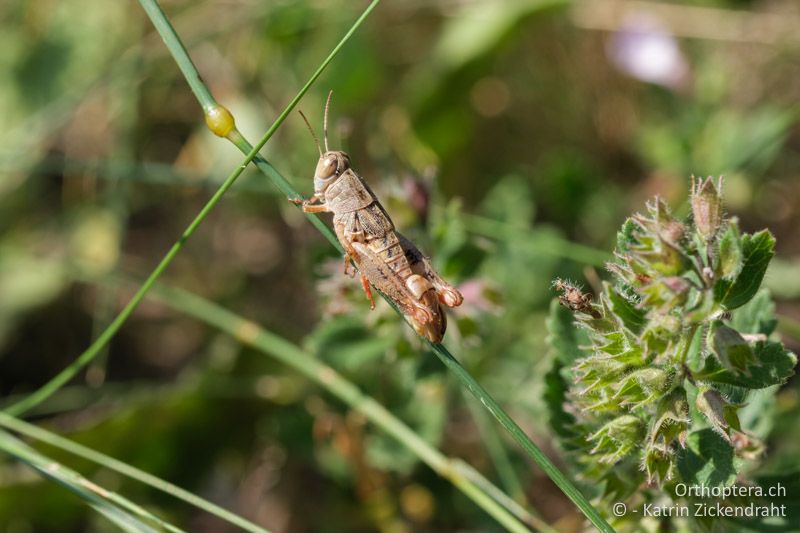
(326, 168)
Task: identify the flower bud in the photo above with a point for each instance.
(667, 226)
(720, 414)
(219, 120)
(731, 349)
(641, 386)
(706, 206)
(658, 464)
(676, 284)
(671, 421)
(617, 438)
(746, 446)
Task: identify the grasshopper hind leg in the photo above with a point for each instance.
(413, 295)
(424, 306)
(368, 291)
(433, 331)
(446, 293)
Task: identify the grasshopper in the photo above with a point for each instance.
(384, 258)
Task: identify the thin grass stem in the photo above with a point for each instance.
(521, 437)
(441, 352)
(105, 501)
(58, 381)
(251, 334)
(204, 97)
(47, 437)
(497, 452)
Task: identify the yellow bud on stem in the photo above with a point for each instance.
(219, 120)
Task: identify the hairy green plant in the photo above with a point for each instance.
(651, 383)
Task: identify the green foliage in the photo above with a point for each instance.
(675, 348)
(740, 276)
(525, 147)
(707, 459)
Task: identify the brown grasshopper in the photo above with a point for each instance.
(385, 259)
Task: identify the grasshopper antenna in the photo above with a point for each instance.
(325, 120)
(311, 131)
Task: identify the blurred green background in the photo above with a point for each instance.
(508, 139)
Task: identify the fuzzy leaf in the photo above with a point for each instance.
(707, 460)
(757, 251)
(773, 366)
(720, 414)
(555, 397)
(670, 422)
(632, 318)
(617, 438)
(729, 262)
(618, 346)
(564, 338)
(756, 316)
(695, 357)
(664, 294)
(626, 236)
(658, 464)
(641, 387)
(732, 351)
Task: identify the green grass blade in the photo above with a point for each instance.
(497, 451)
(249, 333)
(171, 39)
(97, 346)
(116, 508)
(444, 355)
(47, 437)
(489, 403)
(521, 437)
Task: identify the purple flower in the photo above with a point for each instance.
(645, 49)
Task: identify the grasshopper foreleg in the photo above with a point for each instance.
(310, 205)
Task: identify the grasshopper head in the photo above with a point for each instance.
(331, 165)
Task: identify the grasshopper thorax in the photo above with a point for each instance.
(331, 165)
